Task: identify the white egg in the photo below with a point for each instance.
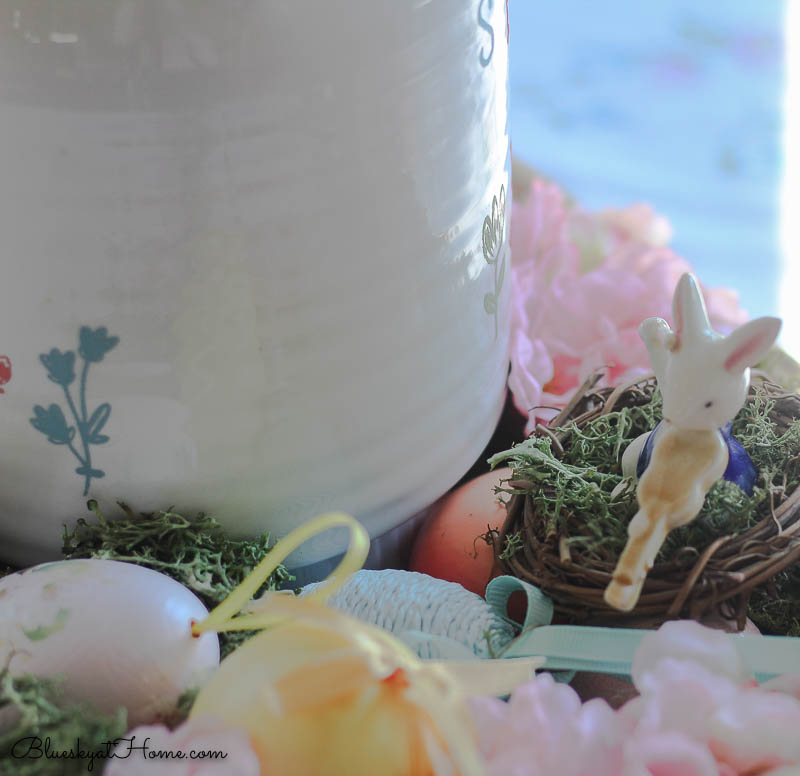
(118, 633)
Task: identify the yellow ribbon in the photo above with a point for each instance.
(223, 617)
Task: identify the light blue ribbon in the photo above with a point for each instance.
(611, 650)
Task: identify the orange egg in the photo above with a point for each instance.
(450, 546)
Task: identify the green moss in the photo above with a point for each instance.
(41, 713)
(775, 608)
(197, 552)
(512, 545)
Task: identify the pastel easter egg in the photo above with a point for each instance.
(118, 634)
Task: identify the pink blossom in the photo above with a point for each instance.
(756, 730)
(582, 283)
(788, 684)
(679, 696)
(543, 721)
(686, 640)
(668, 754)
(699, 713)
(200, 734)
(638, 222)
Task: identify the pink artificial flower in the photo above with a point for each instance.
(545, 730)
(688, 641)
(788, 684)
(756, 730)
(699, 713)
(582, 283)
(668, 754)
(638, 222)
(185, 751)
(679, 696)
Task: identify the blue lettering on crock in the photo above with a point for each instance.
(485, 25)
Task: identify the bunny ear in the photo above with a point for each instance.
(748, 344)
(689, 310)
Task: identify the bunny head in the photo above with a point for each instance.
(702, 375)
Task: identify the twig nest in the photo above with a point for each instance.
(569, 507)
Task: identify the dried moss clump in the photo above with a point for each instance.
(44, 721)
(197, 552)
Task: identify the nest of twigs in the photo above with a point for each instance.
(567, 541)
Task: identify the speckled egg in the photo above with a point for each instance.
(119, 634)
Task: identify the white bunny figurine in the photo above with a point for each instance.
(704, 378)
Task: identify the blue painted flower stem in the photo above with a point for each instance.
(80, 424)
(84, 372)
(76, 454)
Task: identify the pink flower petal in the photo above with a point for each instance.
(686, 640)
(787, 683)
(491, 721)
(756, 731)
(668, 754)
(682, 696)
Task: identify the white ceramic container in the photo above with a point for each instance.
(253, 258)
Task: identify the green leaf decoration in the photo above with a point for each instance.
(41, 632)
(98, 419)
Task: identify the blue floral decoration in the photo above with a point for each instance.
(51, 421)
(93, 344)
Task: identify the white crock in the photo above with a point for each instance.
(280, 226)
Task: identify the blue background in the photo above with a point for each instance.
(674, 102)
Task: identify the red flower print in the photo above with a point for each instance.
(5, 371)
